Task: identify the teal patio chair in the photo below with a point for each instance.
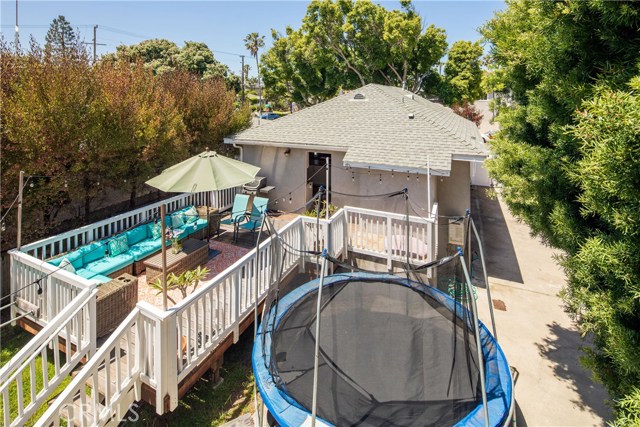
(238, 212)
(258, 211)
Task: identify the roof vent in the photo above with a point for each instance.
(358, 96)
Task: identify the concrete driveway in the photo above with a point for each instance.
(539, 339)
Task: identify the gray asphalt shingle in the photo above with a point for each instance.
(376, 131)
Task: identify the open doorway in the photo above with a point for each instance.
(317, 173)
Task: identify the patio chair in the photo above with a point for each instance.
(258, 211)
(238, 212)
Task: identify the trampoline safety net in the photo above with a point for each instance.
(391, 354)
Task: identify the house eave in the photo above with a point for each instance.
(310, 147)
(399, 169)
(470, 157)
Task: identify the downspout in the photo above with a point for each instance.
(241, 151)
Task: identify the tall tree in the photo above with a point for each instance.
(345, 44)
(463, 73)
(254, 42)
(567, 157)
(61, 39)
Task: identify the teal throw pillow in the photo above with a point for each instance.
(191, 215)
(118, 245)
(177, 220)
(156, 230)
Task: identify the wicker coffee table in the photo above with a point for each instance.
(194, 253)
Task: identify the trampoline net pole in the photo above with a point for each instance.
(474, 314)
(486, 279)
(316, 355)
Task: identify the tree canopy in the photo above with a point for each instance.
(162, 56)
(61, 39)
(567, 156)
(463, 73)
(345, 44)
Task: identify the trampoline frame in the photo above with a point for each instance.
(287, 412)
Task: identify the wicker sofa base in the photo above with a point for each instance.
(126, 270)
(115, 300)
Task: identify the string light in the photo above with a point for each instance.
(31, 185)
(3, 227)
(380, 179)
(391, 173)
(417, 177)
(353, 176)
(66, 185)
(407, 177)
(369, 171)
(289, 198)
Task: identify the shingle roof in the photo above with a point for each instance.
(376, 131)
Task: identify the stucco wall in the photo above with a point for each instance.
(289, 174)
(454, 198)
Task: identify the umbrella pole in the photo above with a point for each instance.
(164, 257)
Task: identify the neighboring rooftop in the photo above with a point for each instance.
(378, 126)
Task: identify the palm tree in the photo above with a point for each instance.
(253, 42)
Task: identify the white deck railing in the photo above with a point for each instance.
(107, 385)
(384, 235)
(57, 287)
(74, 329)
(165, 346)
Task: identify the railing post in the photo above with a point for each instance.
(389, 244)
(166, 368)
(90, 322)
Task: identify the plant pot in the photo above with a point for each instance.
(176, 247)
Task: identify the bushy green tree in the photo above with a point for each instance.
(345, 44)
(164, 56)
(463, 73)
(568, 158)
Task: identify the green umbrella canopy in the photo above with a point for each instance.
(207, 171)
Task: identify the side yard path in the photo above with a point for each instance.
(539, 339)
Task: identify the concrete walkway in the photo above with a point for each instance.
(538, 337)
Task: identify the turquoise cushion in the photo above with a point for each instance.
(93, 252)
(118, 245)
(153, 231)
(75, 257)
(136, 235)
(108, 265)
(145, 248)
(86, 273)
(190, 215)
(177, 220)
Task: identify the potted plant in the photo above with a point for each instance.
(181, 281)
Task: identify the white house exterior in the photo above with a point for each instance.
(380, 139)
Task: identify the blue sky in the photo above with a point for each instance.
(220, 24)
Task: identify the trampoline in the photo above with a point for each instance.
(393, 352)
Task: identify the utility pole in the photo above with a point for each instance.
(242, 72)
(17, 30)
(95, 43)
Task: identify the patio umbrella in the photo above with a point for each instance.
(207, 171)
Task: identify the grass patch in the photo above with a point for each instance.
(205, 406)
(13, 339)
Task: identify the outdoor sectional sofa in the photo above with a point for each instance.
(126, 252)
